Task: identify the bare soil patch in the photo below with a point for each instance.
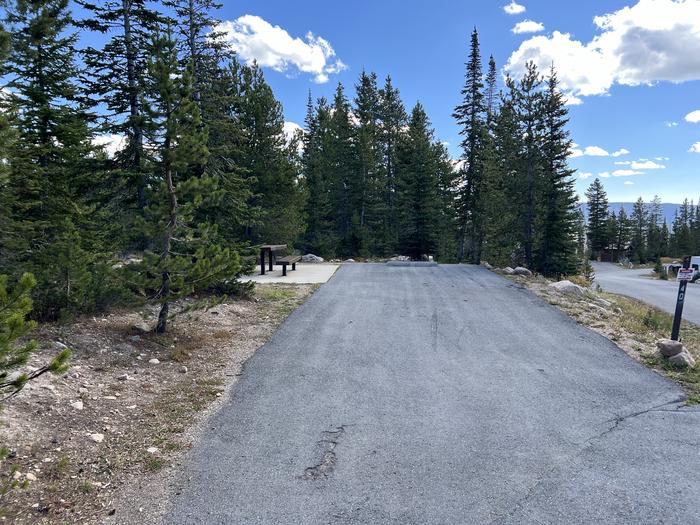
(118, 417)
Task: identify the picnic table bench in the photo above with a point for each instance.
(269, 249)
(289, 259)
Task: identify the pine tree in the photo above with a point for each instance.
(15, 306)
(56, 230)
(116, 81)
(417, 172)
(371, 183)
(342, 161)
(271, 165)
(597, 218)
(557, 248)
(392, 121)
(528, 103)
(622, 234)
(470, 117)
(319, 237)
(638, 227)
(502, 174)
(187, 257)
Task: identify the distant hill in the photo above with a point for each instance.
(667, 209)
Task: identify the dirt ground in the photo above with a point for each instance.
(130, 406)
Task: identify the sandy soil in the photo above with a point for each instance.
(103, 442)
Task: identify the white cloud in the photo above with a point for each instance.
(110, 143)
(623, 163)
(621, 152)
(671, 124)
(514, 8)
(626, 173)
(693, 117)
(290, 129)
(595, 151)
(661, 158)
(527, 26)
(604, 175)
(629, 183)
(695, 148)
(253, 38)
(640, 44)
(585, 175)
(647, 165)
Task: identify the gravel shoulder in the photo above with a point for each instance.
(102, 441)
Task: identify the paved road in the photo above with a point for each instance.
(445, 395)
(637, 284)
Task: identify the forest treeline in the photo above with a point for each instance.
(644, 234)
(203, 170)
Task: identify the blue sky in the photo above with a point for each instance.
(632, 75)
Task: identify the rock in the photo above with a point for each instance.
(82, 390)
(487, 265)
(50, 388)
(123, 377)
(400, 258)
(78, 405)
(349, 260)
(135, 338)
(508, 270)
(97, 438)
(58, 345)
(682, 360)
(520, 270)
(183, 369)
(569, 288)
(311, 258)
(16, 475)
(30, 477)
(152, 450)
(154, 361)
(141, 327)
(126, 348)
(669, 347)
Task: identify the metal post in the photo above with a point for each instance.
(262, 261)
(675, 332)
(271, 268)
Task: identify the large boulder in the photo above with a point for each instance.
(508, 270)
(669, 347)
(682, 360)
(311, 258)
(568, 288)
(520, 270)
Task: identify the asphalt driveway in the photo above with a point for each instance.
(443, 395)
(639, 285)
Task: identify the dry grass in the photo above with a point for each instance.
(77, 479)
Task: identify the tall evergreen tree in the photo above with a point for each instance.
(392, 121)
(470, 117)
(597, 218)
(528, 102)
(557, 248)
(370, 184)
(51, 183)
(418, 187)
(187, 257)
(638, 227)
(115, 79)
(319, 237)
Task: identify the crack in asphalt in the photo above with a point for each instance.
(584, 446)
(328, 443)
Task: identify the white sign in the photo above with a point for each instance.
(685, 274)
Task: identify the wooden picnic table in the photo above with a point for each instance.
(269, 249)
